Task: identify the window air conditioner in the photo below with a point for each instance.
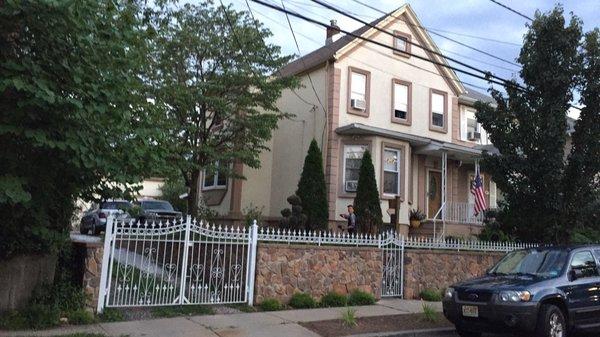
(351, 185)
(358, 104)
(471, 135)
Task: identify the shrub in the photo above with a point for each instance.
(111, 315)
(334, 299)
(12, 320)
(429, 313)
(312, 189)
(359, 297)
(349, 317)
(367, 204)
(80, 316)
(302, 301)
(431, 295)
(270, 304)
(40, 316)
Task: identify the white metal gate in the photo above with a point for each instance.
(392, 251)
(177, 263)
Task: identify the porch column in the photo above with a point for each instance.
(444, 174)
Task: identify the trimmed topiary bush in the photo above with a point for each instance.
(270, 304)
(431, 295)
(359, 297)
(302, 301)
(367, 204)
(312, 189)
(334, 299)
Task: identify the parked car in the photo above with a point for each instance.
(94, 220)
(157, 211)
(544, 292)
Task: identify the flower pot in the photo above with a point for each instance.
(415, 223)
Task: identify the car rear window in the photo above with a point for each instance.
(157, 205)
(115, 205)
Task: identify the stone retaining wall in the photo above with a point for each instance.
(282, 270)
(91, 254)
(437, 269)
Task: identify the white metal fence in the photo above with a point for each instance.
(189, 262)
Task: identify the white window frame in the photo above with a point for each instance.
(354, 93)
(466, 114)
(215, 184)
(365, 147)
(396, 99)
(397, 171)
(442, 112)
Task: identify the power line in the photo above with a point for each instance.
(440, 35)
(429, 29)
(386, 55)
(486, 73)
(512, 10)
(445, 65)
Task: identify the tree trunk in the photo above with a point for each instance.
(193, 194)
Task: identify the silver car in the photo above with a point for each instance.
(94, 219)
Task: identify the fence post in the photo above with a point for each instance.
(402, 267)
(184, 263)
(252, 243)
(108, 237)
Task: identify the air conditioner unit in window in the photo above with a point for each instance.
(358, 104)
(471, 135)
(351, 185)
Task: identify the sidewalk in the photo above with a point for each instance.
(259, 324)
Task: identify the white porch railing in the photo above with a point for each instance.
(462, 212)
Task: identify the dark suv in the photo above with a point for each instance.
(548, 291)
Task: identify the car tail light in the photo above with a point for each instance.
(102, 215)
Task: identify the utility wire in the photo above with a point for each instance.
(512, 10)
(486, 73)
(483, 38)
(388, 56)
(438, 34)
(229, 23)
(442, 64)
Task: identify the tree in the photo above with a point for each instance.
(366, 202)
(74, 119)
(312, 189)
(528, 129)
(213, 81)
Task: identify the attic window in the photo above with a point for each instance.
(401, 43)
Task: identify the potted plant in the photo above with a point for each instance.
(415, 216)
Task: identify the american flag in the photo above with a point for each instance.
(477, 191)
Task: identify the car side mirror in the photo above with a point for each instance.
(575, 274)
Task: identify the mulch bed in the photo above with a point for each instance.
(336, 328)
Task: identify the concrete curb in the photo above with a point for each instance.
(439, 332)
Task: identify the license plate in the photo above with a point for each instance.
(470, 311)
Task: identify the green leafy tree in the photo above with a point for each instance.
(172, 190)
(366, 202)
(312, 189)
(213, 80)
(528, 128)
(74, 118)
(581, 184)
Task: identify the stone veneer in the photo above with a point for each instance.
(429, 269)
(283, 270)
(89, 252)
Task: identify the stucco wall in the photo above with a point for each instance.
(283, 270)
(436, 269)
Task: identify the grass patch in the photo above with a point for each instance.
(181, 310)
(80, 316)
(349, 317)
(431, 295)
(429, 314)
(302, 301)
(334, 299)
(111, 315)
(270, 304)
(359, 297)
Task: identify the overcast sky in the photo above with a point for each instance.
(481, 18)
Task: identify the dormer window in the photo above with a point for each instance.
(358, 91)
(401, 43)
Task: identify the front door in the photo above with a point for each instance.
(434, 194)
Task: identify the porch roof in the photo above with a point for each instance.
(422, 145)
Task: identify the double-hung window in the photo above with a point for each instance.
(358, 93)
(214, 179)
(438, 110)
(401, 43)
(352, 159)
(401, 105)
(391, 171)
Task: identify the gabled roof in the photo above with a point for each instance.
(345, 44)
(323, 54)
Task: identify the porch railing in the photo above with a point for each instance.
(462, 212)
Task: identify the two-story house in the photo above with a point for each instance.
(415, 117)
